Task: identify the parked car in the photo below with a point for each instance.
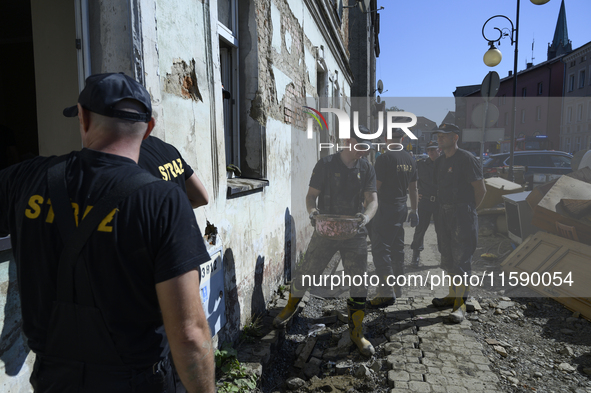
(533, 161)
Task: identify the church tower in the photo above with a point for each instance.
(560, 44)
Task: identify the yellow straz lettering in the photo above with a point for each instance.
(170, 169)
(181, 169)
(50, 213)
(86, 211)
(35, 209)
(76, 210)
(103, 225)
(176, 168)
(163, 172)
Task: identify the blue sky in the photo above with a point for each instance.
(428, 47)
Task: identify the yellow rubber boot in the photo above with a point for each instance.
(447, 301)
(459, 308)
(288, 311)
(356, 315)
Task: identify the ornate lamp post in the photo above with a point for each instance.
(493, 57)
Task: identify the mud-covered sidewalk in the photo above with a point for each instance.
(508, 342)
(416, 349)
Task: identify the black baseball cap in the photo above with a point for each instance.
(432, 145)
(103, 91)
(447, 128)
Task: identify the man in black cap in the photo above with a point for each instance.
(460, 189)
(427, 199)
(107, 257)
(340, 185)
(396, 177)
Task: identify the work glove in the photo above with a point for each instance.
(413, 218)
(313, 213)
(364, 219)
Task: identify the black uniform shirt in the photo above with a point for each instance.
(151, 237)
(426, 184)
(164, 161)
(342, 188)
(454, 175)
(395, 169)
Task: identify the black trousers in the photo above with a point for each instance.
(427, 208)
(387, 239)
(51, 374)
(457, 236)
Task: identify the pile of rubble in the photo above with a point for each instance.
(516, 345)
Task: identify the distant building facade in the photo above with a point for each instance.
(575, 130)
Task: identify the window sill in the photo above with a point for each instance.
(239, 186)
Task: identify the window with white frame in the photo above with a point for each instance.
(540, 88)
(524, 92)
(577, 143)
(228, 44)
(581, 79)
(571, 82)
(580, 112)
(569, 114)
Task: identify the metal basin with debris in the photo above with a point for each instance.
(337, 227)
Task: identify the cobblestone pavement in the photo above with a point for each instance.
(427, 353)
(417, 350)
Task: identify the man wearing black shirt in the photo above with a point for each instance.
(105, 317)
(460, 189)
(164, 161)
(339, 185)
(427, 199)
(396, 177)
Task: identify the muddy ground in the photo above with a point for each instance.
(534, 344)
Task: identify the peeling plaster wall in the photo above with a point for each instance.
(263, 232)
(277, 40)
(110, 36)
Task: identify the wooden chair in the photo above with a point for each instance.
(567, 231)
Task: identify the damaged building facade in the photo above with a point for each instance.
(227, 80)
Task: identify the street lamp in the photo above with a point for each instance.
(493, 57)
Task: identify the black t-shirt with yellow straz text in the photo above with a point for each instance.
(164, 161)
(396, 170)
(454, 177)
(342, 189)
(152, 236)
